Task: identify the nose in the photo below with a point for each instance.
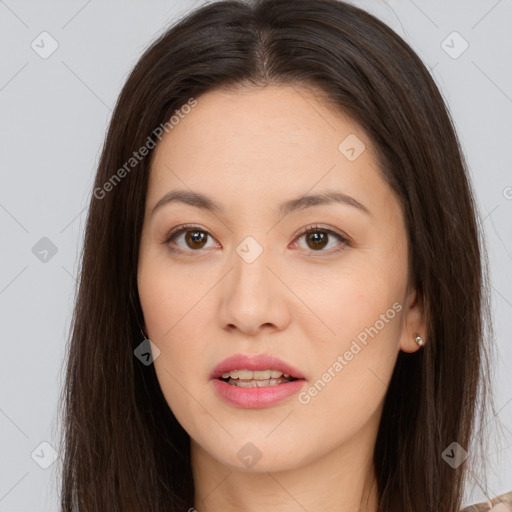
(253, 297)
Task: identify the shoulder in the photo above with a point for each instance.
(501, 503)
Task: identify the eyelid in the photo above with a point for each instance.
(304, 231)
(184, 227)
(317, 227)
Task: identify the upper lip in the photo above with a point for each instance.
(254, 362)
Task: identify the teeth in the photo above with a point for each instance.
(256, 383)
(258, 375)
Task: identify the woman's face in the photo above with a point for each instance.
(333, 304)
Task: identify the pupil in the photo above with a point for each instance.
(319, 239)
(196, 237)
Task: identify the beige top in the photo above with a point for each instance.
(501, 503)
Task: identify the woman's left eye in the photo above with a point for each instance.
(317, 239)
(195, 238)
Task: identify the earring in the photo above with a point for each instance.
(419, 340)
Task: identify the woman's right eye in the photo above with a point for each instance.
(193, 238)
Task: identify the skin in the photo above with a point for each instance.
(251, 149)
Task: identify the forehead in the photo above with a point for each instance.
(265, 143)
(274, 122)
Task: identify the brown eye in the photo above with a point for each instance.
(318, 238)
(194, 238)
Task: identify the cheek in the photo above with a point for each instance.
(176, 307)
(167, 295)
(362, 305)
(353, 367)
(351, 299)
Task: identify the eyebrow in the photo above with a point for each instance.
(293, 205)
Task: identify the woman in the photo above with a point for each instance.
(282, 300)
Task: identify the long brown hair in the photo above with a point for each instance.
(123, 448)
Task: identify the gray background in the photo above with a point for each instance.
(55, 112)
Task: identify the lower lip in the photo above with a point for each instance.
(256, 397)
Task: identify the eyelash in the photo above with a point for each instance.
(306, 231)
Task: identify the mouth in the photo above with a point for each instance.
(255, 370)
(259, 378)
(255, 381)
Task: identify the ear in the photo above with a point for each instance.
(414, 322)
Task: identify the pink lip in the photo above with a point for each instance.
(256, 397)
(254, 362)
